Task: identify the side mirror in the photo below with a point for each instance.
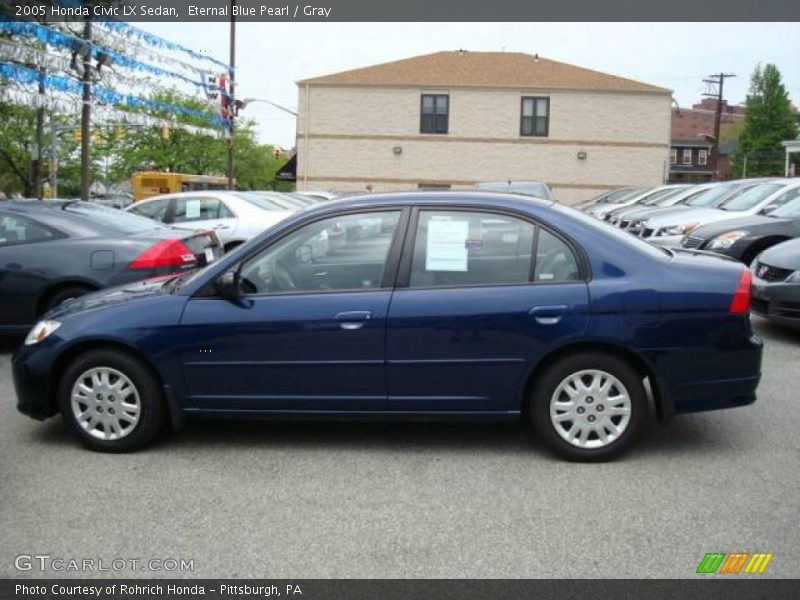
(768, 209)
(227, 286)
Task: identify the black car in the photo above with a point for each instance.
(776, 283)
(744, 238)
(54, 250)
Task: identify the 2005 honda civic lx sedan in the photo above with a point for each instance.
(460, 305)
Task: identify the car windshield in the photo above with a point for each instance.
(790, 210)
(620, 195)
(124, 222)
(262, 202)
(751, 197)
(656, 197)
(633, 242)
(666, 198)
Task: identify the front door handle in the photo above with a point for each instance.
(548, 315)
(353, 319)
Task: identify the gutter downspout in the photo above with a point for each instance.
(307, 159)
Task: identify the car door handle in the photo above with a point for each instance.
(353, 319)
(548, 315)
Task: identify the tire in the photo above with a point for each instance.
(64, 294)
(556, 398)
(141, 389)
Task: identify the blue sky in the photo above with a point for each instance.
(272, 56)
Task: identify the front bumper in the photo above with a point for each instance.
(32, 370)
(779, 302)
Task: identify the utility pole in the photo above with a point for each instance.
(231, 99)
(715, 84)
(37, 161)
(86, 109)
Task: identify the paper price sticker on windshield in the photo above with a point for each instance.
(447, 246)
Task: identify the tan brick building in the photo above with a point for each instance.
(451, 119)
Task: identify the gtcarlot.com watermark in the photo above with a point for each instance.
(59, 564)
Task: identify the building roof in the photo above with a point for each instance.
(461, 68)
(699, 143)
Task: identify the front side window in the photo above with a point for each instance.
(459, 248)
(199, 209)
(535, 117)
(435, 112)
(16, 230)
(340, 253)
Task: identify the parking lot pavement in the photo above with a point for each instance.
(414, 500)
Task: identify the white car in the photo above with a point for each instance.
(234, 216)
(602, 210)
(668, 229)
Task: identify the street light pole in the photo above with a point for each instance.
(231, 99)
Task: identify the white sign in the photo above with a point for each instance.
(447, 245)
(193, 209)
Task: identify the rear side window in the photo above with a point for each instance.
(156, 209)
(16, 230)
(455, 248)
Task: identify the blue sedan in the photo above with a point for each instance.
(447, 305)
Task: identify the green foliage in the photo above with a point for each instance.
(115, 157)
(768, 122)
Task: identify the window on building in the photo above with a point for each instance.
(687, 156)
(535, 119)
(434, 113)
(673, 156)
(702, 156)
(434, 187)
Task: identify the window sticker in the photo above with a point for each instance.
(447, 245)
(193, 209)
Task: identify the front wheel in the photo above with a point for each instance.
(589, 406)
(111, 401)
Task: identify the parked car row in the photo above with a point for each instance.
(754, 221)
(52, 251)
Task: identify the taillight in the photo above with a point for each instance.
(740, 304)
(166, 253)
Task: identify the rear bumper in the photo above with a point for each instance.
(731, 374)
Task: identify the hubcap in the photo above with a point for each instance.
(105, 403)
(590, 409)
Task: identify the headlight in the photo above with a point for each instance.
(678, 229)
(40, 331)
(793, 278)
(726, 240)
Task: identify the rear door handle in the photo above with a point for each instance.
(549, 315)
(353, 319)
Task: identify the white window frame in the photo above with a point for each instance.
(687, 153)
(702, 157)
(673, 156)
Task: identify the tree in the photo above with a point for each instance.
(768, 122)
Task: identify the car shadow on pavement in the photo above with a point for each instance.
(9, 343)
(683, 436)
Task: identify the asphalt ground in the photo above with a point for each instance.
(319, 500)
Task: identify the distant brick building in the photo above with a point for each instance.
(698, 121)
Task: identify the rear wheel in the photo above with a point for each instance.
(111, 401)
(589, 406)
(64, 294)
